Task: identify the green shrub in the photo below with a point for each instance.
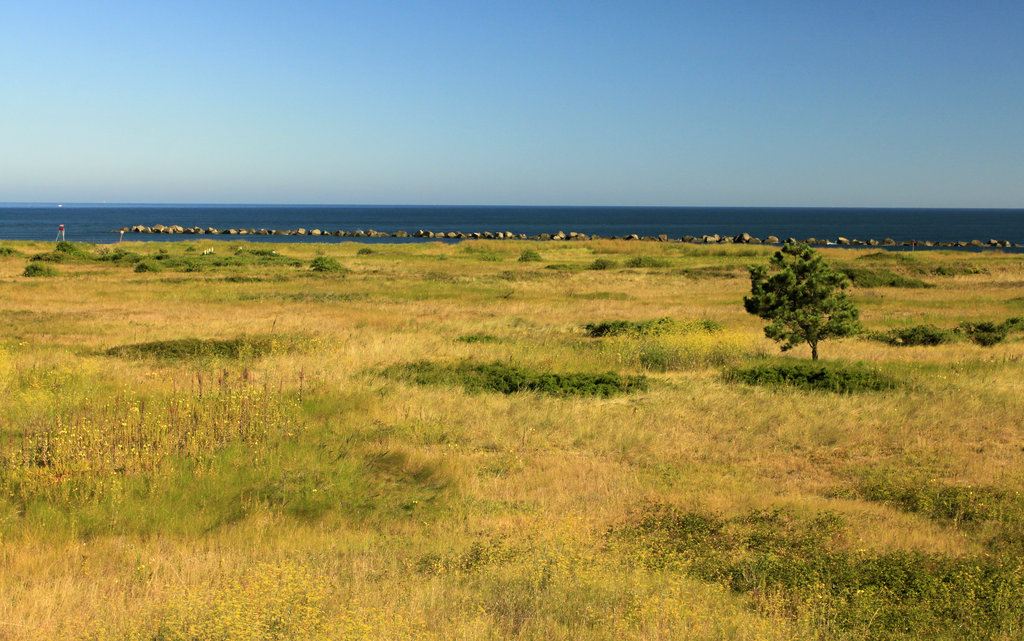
(1014, 324)
(648, 261)
(510, 379)
(64, 252)
(326, 264)
(654, 327)
(564, 267)
(7, 251)
(71, 249)
(144, 266)
(602, 263)
(190, 348)
(120, 256)
(529, 256)
(916, 335)
(864, 277)
(34, 270)
(365, 251)
(813, 376)
(985, 333)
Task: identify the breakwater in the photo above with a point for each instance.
(743, 238)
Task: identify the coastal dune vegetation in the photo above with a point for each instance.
(215, 439)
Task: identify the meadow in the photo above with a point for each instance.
(221, 440)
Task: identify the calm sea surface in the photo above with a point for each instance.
(98, 223)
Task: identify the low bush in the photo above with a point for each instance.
(326, 264)
(648, 261)
(916, 335)
(864, 277)
(120, 256)
(813, 376)
(365, 251)
(985, 333)
(192, 348)
(144, 266)
(35, 270)
(564, 267)
(7, 251)
(602, 263)
(64, 252)
(529, 256)
(510, 379)
(654, 327)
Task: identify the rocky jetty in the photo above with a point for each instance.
(741, 239)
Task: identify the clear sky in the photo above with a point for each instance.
(868, 103)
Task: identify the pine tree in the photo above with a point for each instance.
(802, 297)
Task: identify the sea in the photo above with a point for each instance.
(101, 223)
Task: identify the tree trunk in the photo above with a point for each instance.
(814, 351)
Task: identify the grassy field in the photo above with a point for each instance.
(214, 440)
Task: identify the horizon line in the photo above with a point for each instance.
(57, 204)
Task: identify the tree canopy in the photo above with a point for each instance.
(802, 297)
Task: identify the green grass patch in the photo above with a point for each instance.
(510, 379)
(956, 270)
(602, 263)
(865, 277)
(820, 377)
(565, 267)
(306, 297)
(147, 266)
(713, 271)
(890, 257)
(913, 336)
(478, 338)
(37, 270)
(365, 251)
(963, 505)
(648, 261)
(529, 256)
(203, 348)
(797, 568)
(600, 296)
(8, 251)
(654, 327)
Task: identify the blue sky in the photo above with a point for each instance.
(614, 103)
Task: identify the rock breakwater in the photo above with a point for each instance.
(741, 239)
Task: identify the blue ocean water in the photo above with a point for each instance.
(99, 223)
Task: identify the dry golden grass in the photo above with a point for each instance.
(481, 515)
